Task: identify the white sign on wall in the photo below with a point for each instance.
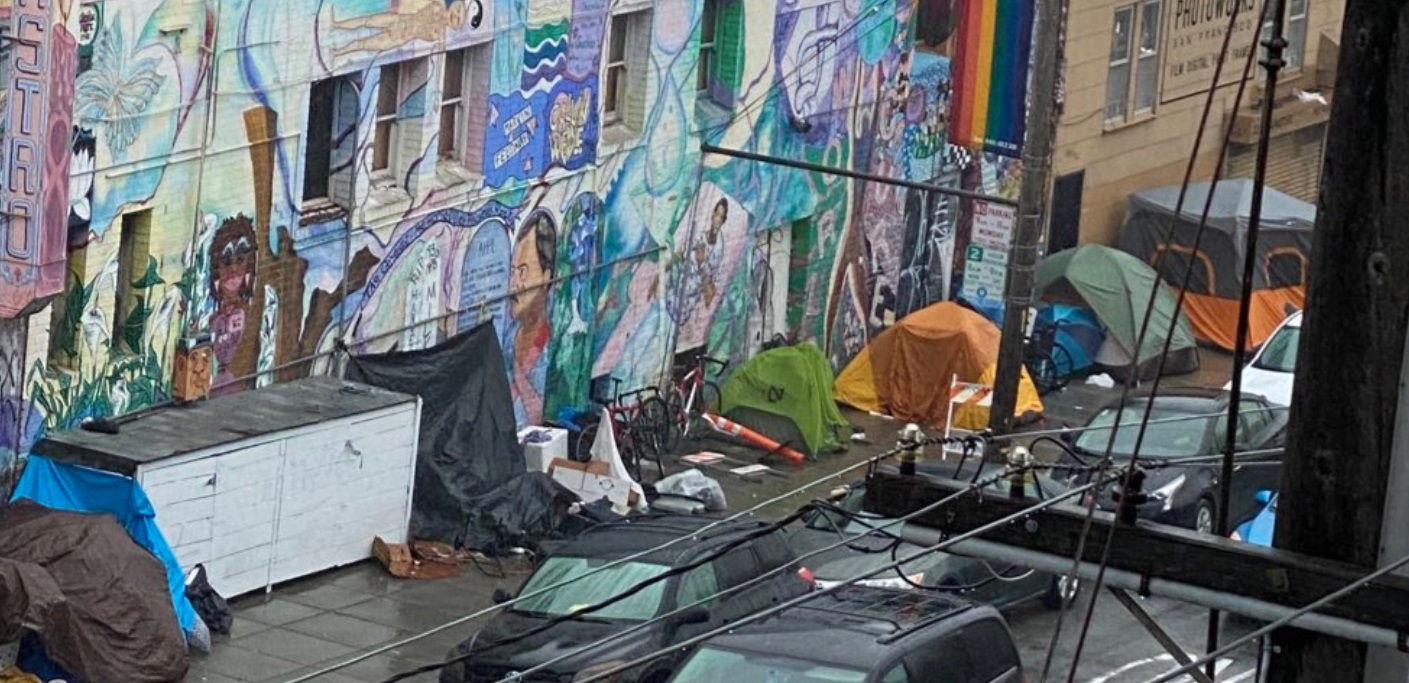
(986, 258)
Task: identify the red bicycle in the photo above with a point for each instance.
(693, 395)
(638, 426)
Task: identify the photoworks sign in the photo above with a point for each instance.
(1193, 37)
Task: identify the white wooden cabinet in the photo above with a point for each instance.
(284, 503)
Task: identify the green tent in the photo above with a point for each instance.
(1116, 287)
(786, 394)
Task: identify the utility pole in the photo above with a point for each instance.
(1032, 210)
(1344, 413)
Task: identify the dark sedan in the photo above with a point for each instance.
(1188, 424)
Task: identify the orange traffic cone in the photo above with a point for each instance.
(732, 428)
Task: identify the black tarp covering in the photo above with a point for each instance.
(111, 618)
(468, 438)
(528, 508)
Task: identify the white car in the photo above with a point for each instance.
(1272, 370)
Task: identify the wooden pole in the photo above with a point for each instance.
(1343, 414)
(1032, 210)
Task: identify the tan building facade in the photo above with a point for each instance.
(1138, 74)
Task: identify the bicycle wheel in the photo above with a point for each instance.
(585, 440)
(706, 401)
(1043, 372)
(653, 419)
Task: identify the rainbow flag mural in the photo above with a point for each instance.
(988, 104)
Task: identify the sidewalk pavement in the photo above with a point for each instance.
(312, 623)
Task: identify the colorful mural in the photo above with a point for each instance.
(302, 197)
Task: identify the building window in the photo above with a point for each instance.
(384, 135)
(628, 41)
(318, 152)
(1132, 75)
(707, 68)
(330, 144)
(462, 115)
(1295, 33)
(133, 251)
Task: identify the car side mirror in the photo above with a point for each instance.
(1068, 436)
(502, 596)
(691, 615)
(1263, 497)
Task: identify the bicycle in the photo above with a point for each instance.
(1048, 362)
(637, 427)
(690, 398)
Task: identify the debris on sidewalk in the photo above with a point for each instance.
(402, 563)
(1102, 380)
(693, 483)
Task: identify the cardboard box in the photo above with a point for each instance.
(592, 481)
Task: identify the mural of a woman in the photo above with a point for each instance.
(532, 269)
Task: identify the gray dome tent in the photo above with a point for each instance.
(1283, 253)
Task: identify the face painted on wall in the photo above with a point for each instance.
(717, 219)
(232, 258)
(535, 253)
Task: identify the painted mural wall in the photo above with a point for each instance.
(255, 173)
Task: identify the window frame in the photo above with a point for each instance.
(387, 144)
(707, 64)
(1136, 60)
(325, 131)
(616, 72)
(1294, 54)
(455, 149)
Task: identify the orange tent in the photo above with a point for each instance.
(906, 371)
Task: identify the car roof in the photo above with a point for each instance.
(1190, 399)
(852, 627)
(642, 534)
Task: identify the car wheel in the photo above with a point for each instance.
(1204, 517)
(1061, 592)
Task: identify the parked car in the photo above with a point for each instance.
(969, 577)
(863, 634)
(602, 544)
(1272, 369)
(1259, 530)
(1188, 423)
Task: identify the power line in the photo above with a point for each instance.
(1234, 405)
(1328, 599)
(1139, 346)
(789, 604)
(869, 462)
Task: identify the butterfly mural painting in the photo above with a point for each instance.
(115, 93)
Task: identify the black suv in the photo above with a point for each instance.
(861, 634)
(605, 543)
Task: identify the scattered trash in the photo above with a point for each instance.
(694, 484)
(403, 564)
(210, 606)
(859, 437)
(749, 470)
(1102, 380)
(702, 458)
(12, 674)
(883, 416)
(593, 481)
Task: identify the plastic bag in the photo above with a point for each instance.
(212, 609)
(694, 484)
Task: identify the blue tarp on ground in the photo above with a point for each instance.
(79, 489)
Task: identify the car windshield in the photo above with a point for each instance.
(589, 588)
(1170, 434)
(713, 665)
(1280, 353)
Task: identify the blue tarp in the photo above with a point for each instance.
(1078, 332)
(79, 489)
